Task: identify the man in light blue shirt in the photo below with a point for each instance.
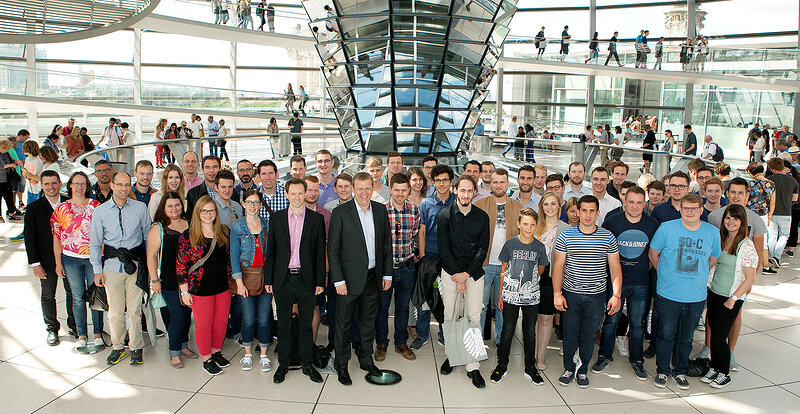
(213, 131)
(526, 196)
(575, 187)
(479, 128)
(116, 241)
(229, 210)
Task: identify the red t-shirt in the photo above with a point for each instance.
(258, 258)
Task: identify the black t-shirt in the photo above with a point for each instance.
(785, 186)
(215, 272)
(650, 140)
(169, 250)
(633, 240)
(691, 139)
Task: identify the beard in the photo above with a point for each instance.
(526, 188)
(245, 178)
(464, 204)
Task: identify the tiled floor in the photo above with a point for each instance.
(37, 378)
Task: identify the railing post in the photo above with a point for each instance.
(578, 150)
(660, 166)
(126, 157)
(482, 144)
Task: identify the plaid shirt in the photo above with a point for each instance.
(276, 202)
(404, 226)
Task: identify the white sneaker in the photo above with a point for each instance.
(266, 365)
(99, 342)
(622, 346)
(247, 362)
(80, 343)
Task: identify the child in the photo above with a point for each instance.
(523, 260)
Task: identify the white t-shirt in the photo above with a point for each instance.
(760, 144)
(710, 148)
(513, 129)
(197, 129)
(33, 165)
(499, 237)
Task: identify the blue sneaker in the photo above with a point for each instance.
(18, 238)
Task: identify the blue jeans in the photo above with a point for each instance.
(676, 324)
(491, 277)
(402, 286)
(580, 322)
(256, 308)
(636, 297)
(178, 318)
(80, 276)
(212, 148)
(235, 321)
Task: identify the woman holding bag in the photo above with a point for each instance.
(162, 247)
(248, 248)
(203, 267)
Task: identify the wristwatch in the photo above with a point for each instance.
(734, 297)
(184, 293)
(154, 281)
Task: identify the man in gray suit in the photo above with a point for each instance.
(360, 258)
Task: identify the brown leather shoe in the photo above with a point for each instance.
(380, 353)
(406, 352)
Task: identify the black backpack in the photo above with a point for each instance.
(718, 155)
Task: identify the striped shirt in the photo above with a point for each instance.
(586, 267)
(404, 225)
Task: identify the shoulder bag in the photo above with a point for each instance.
(202, 260)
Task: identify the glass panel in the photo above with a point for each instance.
(464, 29)
(483, 9)
(367, 50)
(350, 7)
(380, 142)
(383, 119)
(370, 73)
(413, 142)
(416, 50)
(372, 26)
(441, 143)
(422, 6)
(464, 53)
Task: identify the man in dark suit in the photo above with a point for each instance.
(211, 165)
(295, 274)
(360, 261)
(39, 247)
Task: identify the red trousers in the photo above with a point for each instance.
(210, 321)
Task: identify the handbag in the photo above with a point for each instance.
(13, 175)
(463, 339)
(253, 279)
(96, 297)
(157, 300)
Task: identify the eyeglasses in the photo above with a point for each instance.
(690, 209)
(441, 180)
(703, 178)
(678, 186)
(104, 170)
(208, 211)
(554, 187)
(252, 203)
(79, 184)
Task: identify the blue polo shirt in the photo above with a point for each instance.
(429, 209)
(479, 129)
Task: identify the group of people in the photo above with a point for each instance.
(221, 245)
(693, 52)
(242, 10)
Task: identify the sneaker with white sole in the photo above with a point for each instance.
(80, 343)
(566, 378)
(660, 380)
(710, 376)
(582, 380)
(418, 343)
(265, 363)
(705, 352)
(622, 346)
(247, 362)
(721, 381)
(682, 382)
(775, 262)
(639, 371)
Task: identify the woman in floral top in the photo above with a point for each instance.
(71, 221)
(205, 289)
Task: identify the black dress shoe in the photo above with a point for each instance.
(446, 369)
(344, 376)
(312, 374)
(477, 379)
(373, 370)
(73, 333)
(52, 338)
(280, 374)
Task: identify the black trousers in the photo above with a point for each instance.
(7, 193)
(367, 302)
(510, 317)
(616, 56)
(792, 242)
(295, 290)
(297, 147)
(720, 322)
(49, 285)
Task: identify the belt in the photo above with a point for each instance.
(295, 271)
(405, 263)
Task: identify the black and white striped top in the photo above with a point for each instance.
(586, 267)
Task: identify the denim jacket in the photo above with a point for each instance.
(243, 245)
